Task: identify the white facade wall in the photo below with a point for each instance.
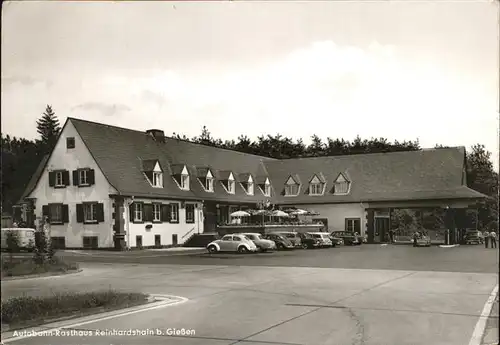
(182, 229)
(72, 159)
(337, 213)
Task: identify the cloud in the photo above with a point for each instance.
(24, 81)
(103, 108)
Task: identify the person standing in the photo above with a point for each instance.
(493, 239)
(486, 236)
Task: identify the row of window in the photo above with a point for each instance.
(92, 242)
(158, 213)
(183, 181)
(81, 178)
(88, 213)
(339, 188)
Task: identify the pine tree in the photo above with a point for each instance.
(48, 127)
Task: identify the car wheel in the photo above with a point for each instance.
(212, 249)
(263, 250)
(242, 250)
(304, 246)
(279, 246)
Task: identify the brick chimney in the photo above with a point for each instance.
(157, 135)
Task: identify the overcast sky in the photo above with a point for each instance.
(400, 70)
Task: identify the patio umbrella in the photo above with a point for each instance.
(280, 214)
(240, 214)
(299, 212)
(262, 212)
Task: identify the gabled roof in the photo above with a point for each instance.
(425, 174)
(116, 150)
(321, 178)
(434, 173)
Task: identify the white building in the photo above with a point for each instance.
(109, 187)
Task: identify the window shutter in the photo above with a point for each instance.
(91, 177)
(148, 212)
(76, 180)
(45, 210)
(66, 178)
(65, 212)
(52, 178)
(346, 224)
(357, 226)
(131, 211)
(79, 213)
(165, 213)
(100, 212)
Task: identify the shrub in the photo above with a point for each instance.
(27, 266)
(22, 309)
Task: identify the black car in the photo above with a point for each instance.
(281, 241)
(349, 238)
(308, 241)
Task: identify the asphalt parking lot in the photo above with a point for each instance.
(367, 256)
(289, 297)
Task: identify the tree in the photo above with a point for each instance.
(12, 243)
(483, 178)
(48, 127)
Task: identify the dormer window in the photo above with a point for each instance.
(250, 188)
(227, 180)
(341, 185)
(157, 179)
(267, 190)
(230, 187)
(292, 187)
(317, 185)
(153, 172)
(209, 184)
(180, 175)
(206, 179)
(246, 181)
(264, 185)
(185, 182)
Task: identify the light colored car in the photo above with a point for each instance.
(261, 243)
(232, 243)
(323, 237)
(25, 237)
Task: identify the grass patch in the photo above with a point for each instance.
(29, 311)
(25, 266)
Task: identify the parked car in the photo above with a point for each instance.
(308, 241)
(294, 237)
(261, 243)
(473, 237)
(336, 240)
(25, 238)
(349, 238)
(281, 241)
(232, 243)
(324, 238)
(423, 241)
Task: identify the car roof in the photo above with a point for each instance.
(251, 233)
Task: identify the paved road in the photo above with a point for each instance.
(396, 257)
(252, 304)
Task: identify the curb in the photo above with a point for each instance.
(48, 329)
(41, 275)
(449, 245)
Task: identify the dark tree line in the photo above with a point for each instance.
(20, 157)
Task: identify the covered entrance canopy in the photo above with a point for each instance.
(453, 204)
